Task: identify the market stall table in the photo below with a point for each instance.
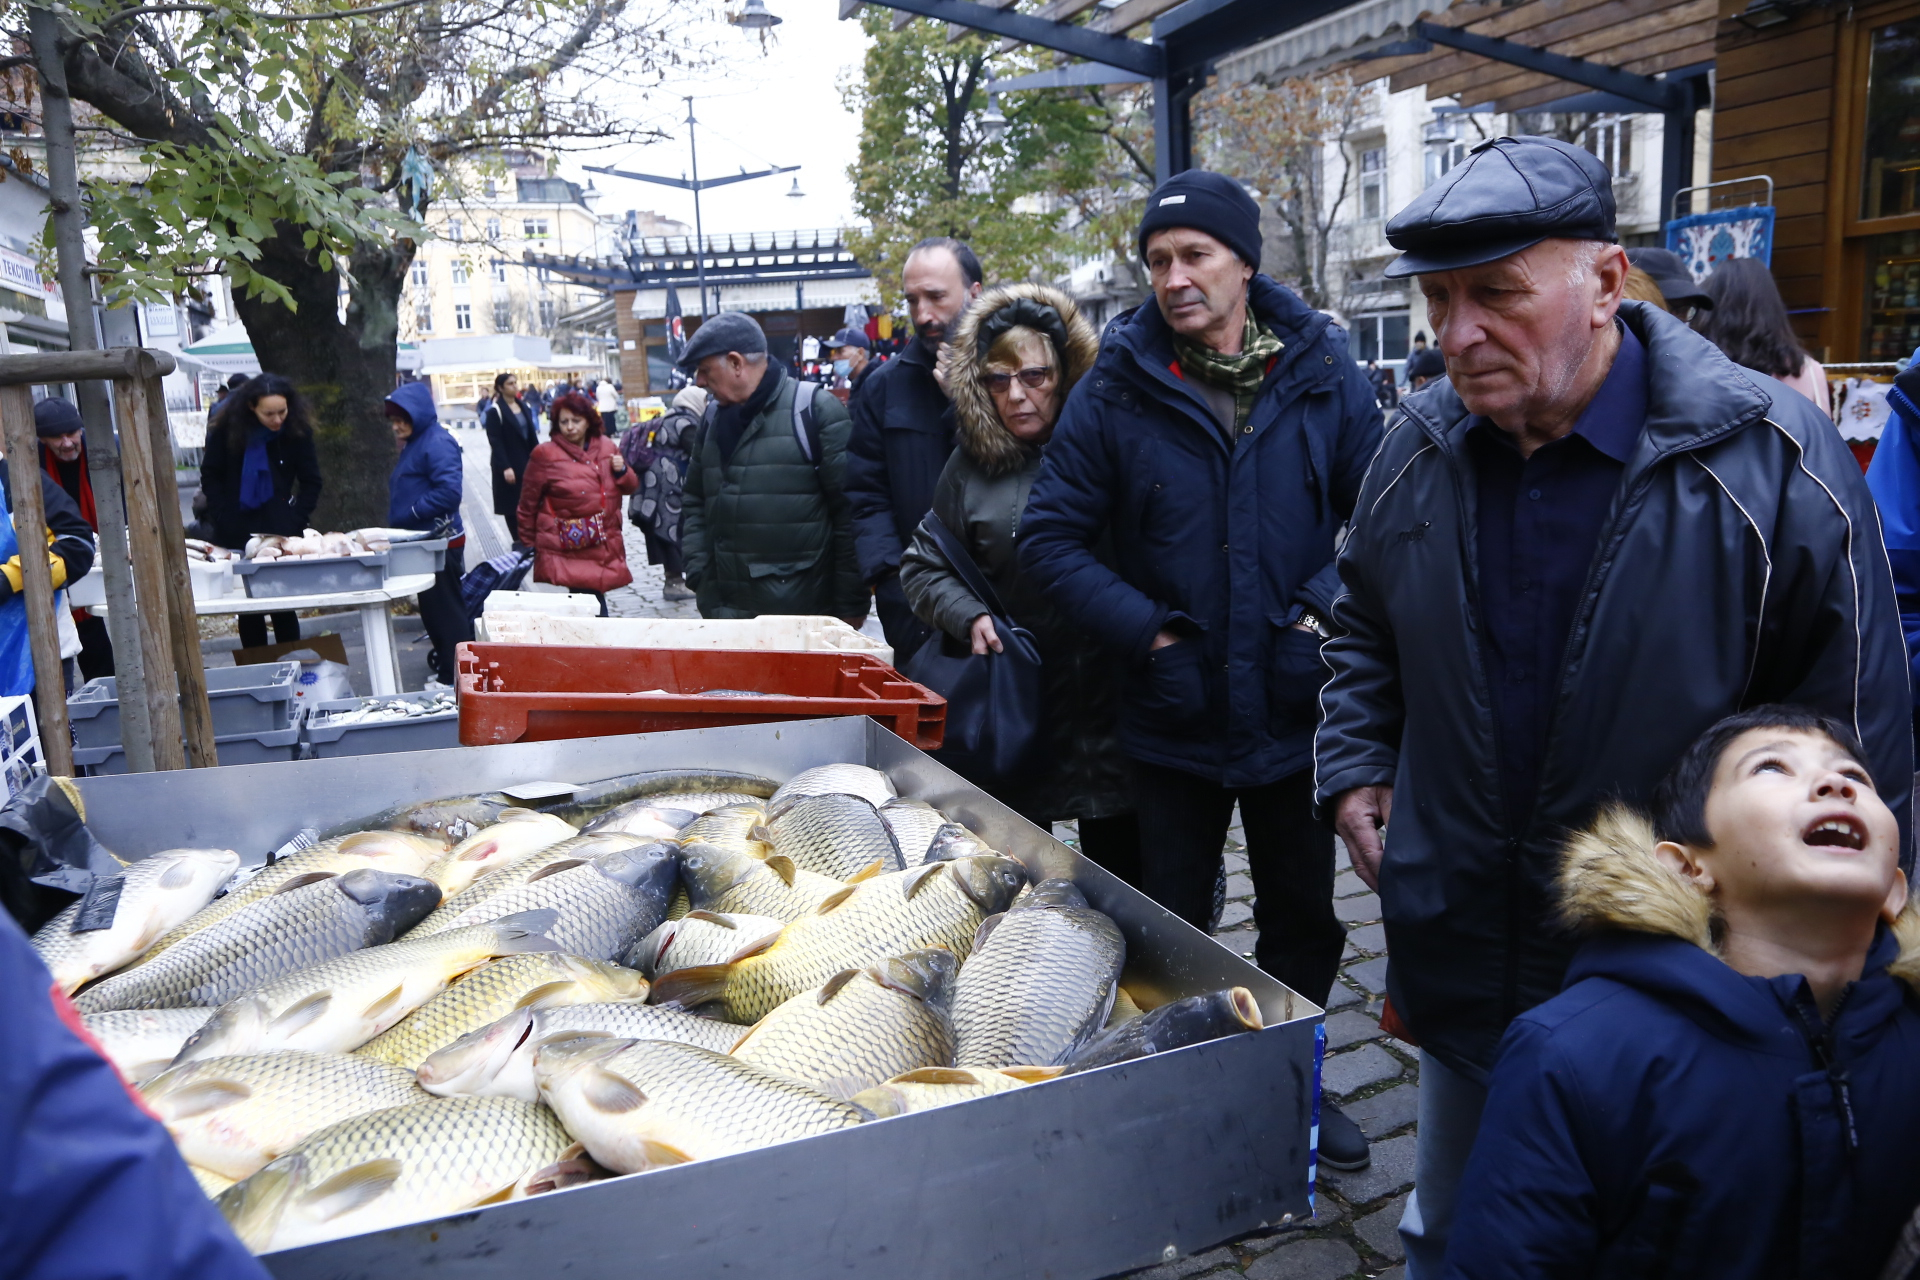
(376, 619)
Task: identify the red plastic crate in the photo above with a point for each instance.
(540, 693)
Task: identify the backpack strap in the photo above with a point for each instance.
(806, 432)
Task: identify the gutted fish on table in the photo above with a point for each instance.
(1040, 981)
(137, 908)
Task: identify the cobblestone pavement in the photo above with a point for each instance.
(1373, 1077)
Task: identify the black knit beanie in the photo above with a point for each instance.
(55, 417)
(1209, 202)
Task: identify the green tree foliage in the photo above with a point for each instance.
(1044, 189)
(281, 145)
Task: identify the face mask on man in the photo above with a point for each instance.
(842, 368)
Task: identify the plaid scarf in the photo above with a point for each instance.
(1240, 374)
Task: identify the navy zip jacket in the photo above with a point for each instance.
(1667, 1116)
(424, 489)
(1224, 544)
(1739, 564)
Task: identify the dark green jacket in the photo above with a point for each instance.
(768, 531)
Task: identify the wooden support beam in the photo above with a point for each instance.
(30, 529)
(132, 402)
(183, 624)
(56, 367)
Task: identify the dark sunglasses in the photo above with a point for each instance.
(1033, 379)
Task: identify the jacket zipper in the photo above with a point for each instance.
(1820, 1038)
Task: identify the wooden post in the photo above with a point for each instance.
(30, 528)
(184, 624)
(146, 543)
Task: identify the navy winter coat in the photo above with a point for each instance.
(1227, 543)
(1667, 1116)
(424, 489)
(897, 448)
(94, 1189)
(1740, 564)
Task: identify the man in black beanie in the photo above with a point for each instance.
(1216, 448)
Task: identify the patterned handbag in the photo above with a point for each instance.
(577, 533)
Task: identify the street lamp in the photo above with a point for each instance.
(755, 17)
(795, 193)
(993, 123)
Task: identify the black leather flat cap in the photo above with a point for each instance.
(1507, 195)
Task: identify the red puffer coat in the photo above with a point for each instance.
(567, 482)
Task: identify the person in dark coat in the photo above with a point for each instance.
(901, 433)
(659, 453)
(261, 474)
(1220, 441)
(63, 456)
(1725, 1086)
(1595, 538)
(570, 508)
(981, 498)
(424, 493)
(512, 436)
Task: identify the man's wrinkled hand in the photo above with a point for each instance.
(1360, 817)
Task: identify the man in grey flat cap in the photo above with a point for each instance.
(766, 528)
(1590, 541)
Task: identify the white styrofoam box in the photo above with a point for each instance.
(89, 591)
(784, 633)
(212, 580)
(560, 603)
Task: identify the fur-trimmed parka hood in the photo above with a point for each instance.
(1610, 878)
(977, 425)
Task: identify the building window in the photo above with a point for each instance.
(1380, 337)
(534, 228)
(456, 230)
(500, 272)
(1890, 176)
(463, 317)
(493, 189)
(1441, 157)
(423, 315)
(419, 273)
(502, 316)
(460, 271)
(493, 224)
(549, 313)
(1610, 139)
(1373, 182)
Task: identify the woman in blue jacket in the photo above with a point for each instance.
(424, 493)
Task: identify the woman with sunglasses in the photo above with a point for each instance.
(1016, 353)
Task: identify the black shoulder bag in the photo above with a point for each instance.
(993, 699)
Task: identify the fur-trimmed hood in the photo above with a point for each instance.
(977, 426)
(1610, 878)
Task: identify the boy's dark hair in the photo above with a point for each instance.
(1680, 801)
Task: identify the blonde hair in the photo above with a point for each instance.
(1641, 288)
(1006, 348)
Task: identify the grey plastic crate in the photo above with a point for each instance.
(428, 555)
(322, 576)
(249, 699)
(239, 748)
(377, 737)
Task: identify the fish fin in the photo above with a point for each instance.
(781, 865)
(835, 899)
(385, 1004)
(924, 878)
(711, 917)
(758, 831)
(351, 1189)
(868, 872)
(692, 986)
(555, 868)
(154, 931)
(935, 1075)
(501, 1196)
(610, 1093)
(304, 879)
(1247, 1009)
(525, 931)
(253, 1206)
(302, 1014)
(480, 852)
(987, 926)
(177, 876)
(837, 981)
(546, 994)
(659, 1155)
(203, 1096)
(755, 949)
(1033, 1075)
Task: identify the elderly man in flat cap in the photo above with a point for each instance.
(1590, 541)
(765, 525)
(1185, 516)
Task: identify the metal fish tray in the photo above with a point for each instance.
(1073, 1179)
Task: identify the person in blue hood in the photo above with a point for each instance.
(1726, 1085)
(424, 493)
(1894, 478)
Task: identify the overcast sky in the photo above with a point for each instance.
(761, 109)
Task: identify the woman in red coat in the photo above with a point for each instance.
(570, 503)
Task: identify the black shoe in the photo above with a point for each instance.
(1342, 1145)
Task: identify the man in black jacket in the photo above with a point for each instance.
(1594, 538)
(901, 435)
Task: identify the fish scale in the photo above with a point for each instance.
(692, 1103)
(442, 1156)
(492, 991)
(141, 1042)
(261, 941)
(914, 824)
(870, 785)
(836, 835)
(1041, 982)
(155, 895)
(599, 915)
(730, 881)
(728, 826)
(232, 1115)
(858, 1031)
(517, 873)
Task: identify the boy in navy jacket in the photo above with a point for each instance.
(1726, 1086)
